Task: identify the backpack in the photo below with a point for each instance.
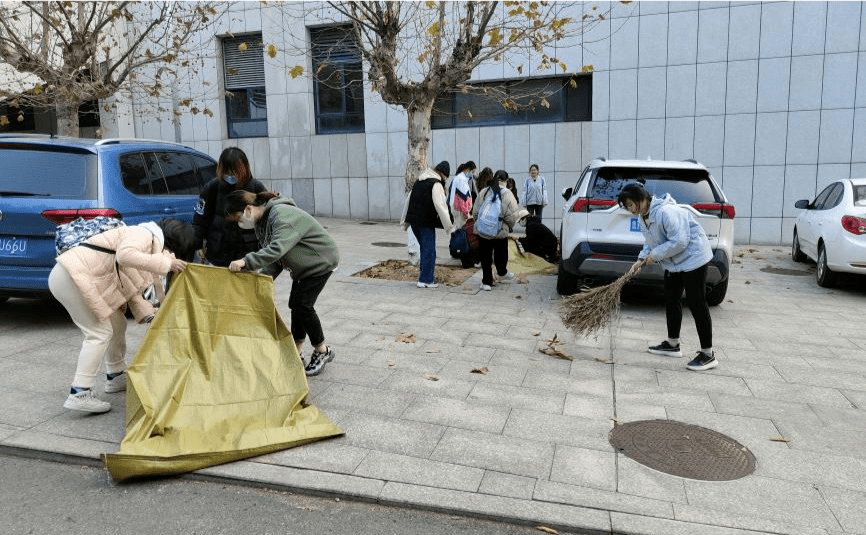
(489, 220)
(459, 245)
(73, 233)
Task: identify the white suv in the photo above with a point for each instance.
(600, 240)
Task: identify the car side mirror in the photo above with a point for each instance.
(802, 204)
(566, 193)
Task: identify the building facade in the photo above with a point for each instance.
(770, 96)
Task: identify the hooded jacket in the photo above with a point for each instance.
(294, 238)
(427, 210)
(509, 208)
(672, 236)
(105, 286)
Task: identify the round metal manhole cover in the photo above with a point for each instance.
(785, 271)
(388, 244)
(683, 450)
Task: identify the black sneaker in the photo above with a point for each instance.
(703, 362)
(318, 361)
(666, 349)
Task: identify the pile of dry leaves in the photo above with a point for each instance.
(402, 270)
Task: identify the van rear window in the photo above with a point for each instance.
(686, 186)
(46, 173)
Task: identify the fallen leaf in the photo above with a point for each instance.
(482, 371)
(406, 338)
(518, 297)
(392, 363)
(521, 278)
(555, 353)
(431, 377)
(616, 420)
(380, 338)
(553, 340)
(780, 439)
(434, 350)
(748, 282)
(604, 361)
(536, 333)
(547, 529)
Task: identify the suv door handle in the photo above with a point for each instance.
(169, 210)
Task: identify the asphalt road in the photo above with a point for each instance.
(39, 497)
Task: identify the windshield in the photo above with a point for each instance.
(686, 186)
(46, 172)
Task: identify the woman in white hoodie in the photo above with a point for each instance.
(97, 279)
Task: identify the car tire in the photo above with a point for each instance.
(716, 294)
(3, 299)
(825, 276)
(566, 283)
(797, 253)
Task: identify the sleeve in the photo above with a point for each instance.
(204, 212)
(525, 190)
(509, 208)
(133, 251)
(544, 190)
(403, 224)
(676, 229)
(442, 208)
(284, 236)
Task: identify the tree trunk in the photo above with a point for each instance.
(419, 139)
(67, 118)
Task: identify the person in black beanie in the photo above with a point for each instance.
(426, 210)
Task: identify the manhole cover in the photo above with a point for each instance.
(388, 244)
(785, 271)
(368, 223)
(683, 450)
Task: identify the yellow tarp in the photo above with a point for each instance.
(527, 263)
(216, 379)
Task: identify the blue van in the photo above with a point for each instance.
(47, 180)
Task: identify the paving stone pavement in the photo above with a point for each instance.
(527, 442)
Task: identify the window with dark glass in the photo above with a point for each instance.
(206, 169)
(246, 101)
(338, 82)
(141, 174)
(509, 102)
(179, 172)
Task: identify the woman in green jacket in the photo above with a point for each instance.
(294, 238)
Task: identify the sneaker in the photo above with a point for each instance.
(702, 362)
(318, 361)
(666, 349)
(428, 285)
(486, 287)
(508, 277)
(86, 401)
(118, 384)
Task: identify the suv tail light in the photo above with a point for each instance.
(588, 205)
(854, 224)
(721, 209)
(60, 217)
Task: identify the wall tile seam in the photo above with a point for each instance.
(856, 77)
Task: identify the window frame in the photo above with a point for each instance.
(346, 59)
(247, 83)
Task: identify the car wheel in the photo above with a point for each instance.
(826, 277)
(3, 299)
(566, 283)
(796, 252)
(716, 294)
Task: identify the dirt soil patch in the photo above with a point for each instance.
(402, 270)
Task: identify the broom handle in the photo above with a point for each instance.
(636, 267)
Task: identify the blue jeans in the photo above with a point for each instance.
(426, 237)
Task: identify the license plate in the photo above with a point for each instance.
(633, 225)
(12, 246)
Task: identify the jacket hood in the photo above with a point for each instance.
(280, 200)
(658, 202)
(429, 173)
(154, 229)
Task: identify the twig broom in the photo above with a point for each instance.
(592, 309)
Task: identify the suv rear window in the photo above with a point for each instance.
(47, 173)
(686, 186)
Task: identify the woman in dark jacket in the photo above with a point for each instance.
(223, 241)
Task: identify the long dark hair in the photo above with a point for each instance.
(633, 192)
(233, 161)
(484, 178)
(464, 166)
(500, 176)
(236, 201)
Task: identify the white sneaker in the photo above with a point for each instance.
(508, 277)
(86, 401)
(118, 384)
(428, 285)
(486, 287)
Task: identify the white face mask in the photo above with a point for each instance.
(246, 222)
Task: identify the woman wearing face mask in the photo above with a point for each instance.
(223, 240)
(293, 239)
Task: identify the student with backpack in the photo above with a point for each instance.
(95, 281)
(495, 215)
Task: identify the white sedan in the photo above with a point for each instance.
(832, 230)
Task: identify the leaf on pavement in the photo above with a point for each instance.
(406, 338)
(392, 363)
(604, 361)
(434, 350)
(780, 439)
(547, 530)
(482, 371)
(536, 333)
(553, 352)
(431, 377)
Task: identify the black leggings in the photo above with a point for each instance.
(492, 252)
(695, 284)
(302, 299)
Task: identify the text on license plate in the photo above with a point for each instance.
(12, 246)
(633, 225)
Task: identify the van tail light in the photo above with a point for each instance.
(721, 209)
(59, 217)
(588, 205)
(854, 224)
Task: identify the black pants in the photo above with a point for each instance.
(695, 284)
(302, 299)
(492, 251)
(535, 209)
